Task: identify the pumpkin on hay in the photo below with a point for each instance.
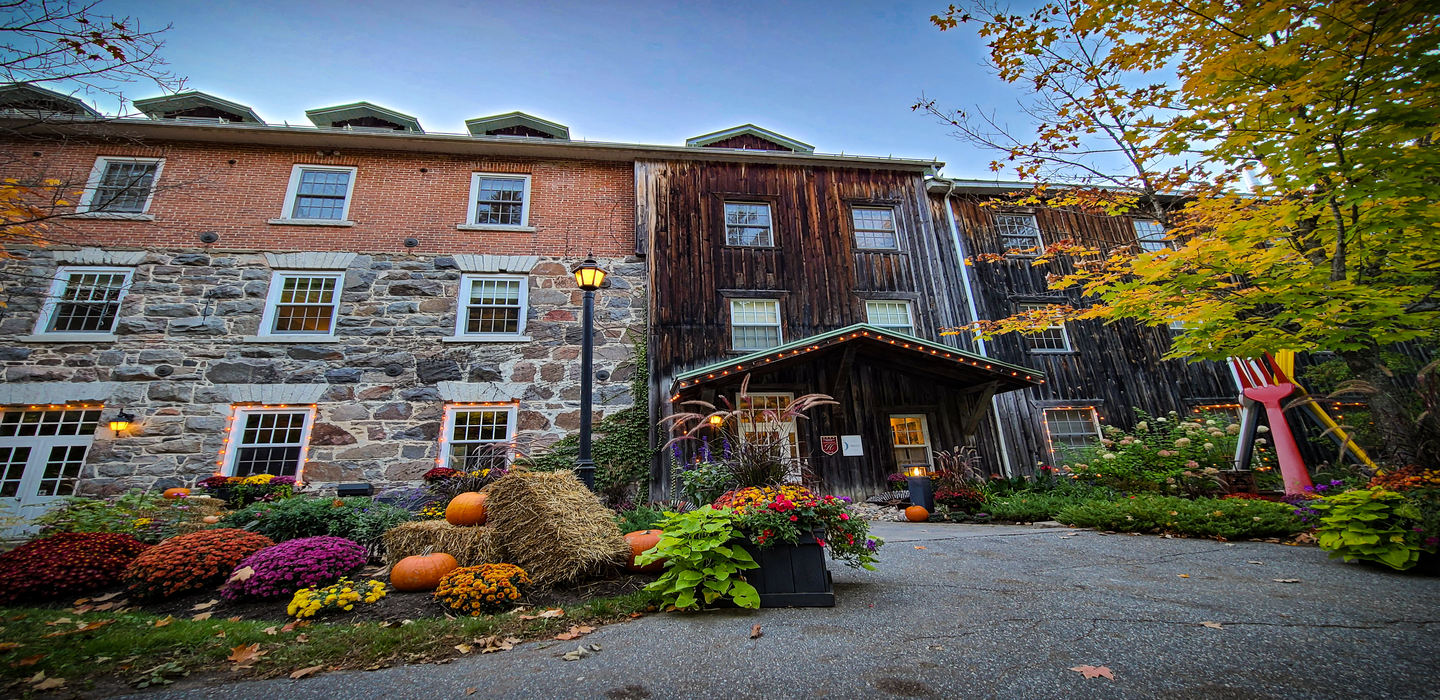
(917, 514)
(466, 509)
(176, 493)
(640, 541)
(421, 572)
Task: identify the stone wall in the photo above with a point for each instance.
(180, 356)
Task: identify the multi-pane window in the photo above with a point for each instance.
(763, 424)
(891, 315)
(48, 423)
(1071, 428)
(1150, 235)
(42, 456)
(499, 200)
(478, 438)
(492, 306)
(1052, 339)
(748, 224)
(268, 441)
(754, 324)
(13, 459)
(84, 300)
(874, 227)
(1019, 234)
(319, 193)
(910, 436)
(301, 303)
(121, 185)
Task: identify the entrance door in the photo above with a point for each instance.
(41, 454)
(761, 422)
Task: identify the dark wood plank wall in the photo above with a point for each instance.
(750, 141)
(1111, 368)
(821, 280)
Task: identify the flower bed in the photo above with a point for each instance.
(241, 491)
(63, 564)
(191, 562)
(301, 563)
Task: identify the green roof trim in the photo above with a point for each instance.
(28, 96)
(873, 333)
(159, 107)
(327, 116)
(479, 125)
(750, 130)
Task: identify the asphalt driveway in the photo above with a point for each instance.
(960, 611)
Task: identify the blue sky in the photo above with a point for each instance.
(838, 75)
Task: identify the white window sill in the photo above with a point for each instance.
(113, 215)
(68, 338)
(493, 227)
(485, 339)
(308, 339)
(309, 222)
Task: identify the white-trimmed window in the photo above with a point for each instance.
(319, 193)
(874, 227)
(1019, 234)
(1150, 235)
(84, 300)
(1053, 338)
(747, 224)
(910, 437)
(760, 419)
(498, 200)
(477, 437)
(268, 440)
(890, 315)
(302, 304)
(121, 186)
(754, 324)
(1071, 428)
(492, 307)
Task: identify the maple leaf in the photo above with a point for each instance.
(497, 643)
(471, 690)
(28, 661)
(59, 621)
(307, 671)
(241, 574)
(290, 627)
(755, 632)
(553, 612)
(237, 618)
(201, 616)
(83, 627)
(107, 596)
(272, 631)
(1212, 625)
(50, 684)
(464, 648)
(1093, 671)
(165, 621)
(7, 646)
(203, 606)
(246, 655)
(574, 632)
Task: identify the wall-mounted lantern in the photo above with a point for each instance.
(121, 421)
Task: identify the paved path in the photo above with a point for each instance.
(991, 612)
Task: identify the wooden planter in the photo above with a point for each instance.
(791, 575)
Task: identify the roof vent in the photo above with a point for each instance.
(517, 124)
(197, 107)
(751, 138)
(363, 116)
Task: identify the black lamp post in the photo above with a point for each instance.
(589, 276)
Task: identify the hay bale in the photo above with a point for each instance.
(471, 546)
(554, 528)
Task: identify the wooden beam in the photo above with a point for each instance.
(972, 422)
(841, 385)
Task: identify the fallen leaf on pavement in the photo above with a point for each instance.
(1305, 538)
(1254, 562)
(202, 606)
(165, 621)
(307, 671)
(1183, 575)
(246, 655)
(497, 643)
(1093, 671)
(28, 661)
(463, 648)
(918, 547)
(201, 616)
(1212, 625)
(579, 653)
(635, 615)
(471, 690)
(1285, 580)
(574, 632)
(755, 632)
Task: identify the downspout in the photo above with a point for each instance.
(975, 316)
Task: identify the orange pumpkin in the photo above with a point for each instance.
(176, 493)
(466, 509)
(211, 519)
(640, 541)
(421, 572)
(917, 514)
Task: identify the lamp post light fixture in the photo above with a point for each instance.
(922, 489)
(589, 277)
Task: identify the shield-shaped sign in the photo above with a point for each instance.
(829, 444)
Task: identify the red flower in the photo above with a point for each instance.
(794, 517)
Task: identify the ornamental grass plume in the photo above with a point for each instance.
(65, 563)
(289, 566)
(191, 562)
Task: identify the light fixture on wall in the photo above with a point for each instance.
(717, 420)
(121, 421)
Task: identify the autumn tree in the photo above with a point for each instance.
(1333, 107)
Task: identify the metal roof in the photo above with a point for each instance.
(480, 125)
(750, 130)
(158, 107)
(328, 116)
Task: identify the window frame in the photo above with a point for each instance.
(894, 230)
(1039, 236)
(58, 286)
(779, 324)
(473, 207)
(929, 443)
(1050, 437)
(909, 315)
(1064, 332)
(769, 213)
(92, 186)
(292, 190)
(240, 413)
(1149, 237)
(462, 306)
(272, 300)
(447, 428)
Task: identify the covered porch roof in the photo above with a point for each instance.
(900, 352)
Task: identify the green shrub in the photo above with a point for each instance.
(148, 517)
(358, 518)
(65, 563)
(1373, 525)
(1032, 506)
(1202, 517)
(639, 518)
(701, 565)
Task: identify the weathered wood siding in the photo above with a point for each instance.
(750, 141)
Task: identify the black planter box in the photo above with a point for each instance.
(790, 575)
